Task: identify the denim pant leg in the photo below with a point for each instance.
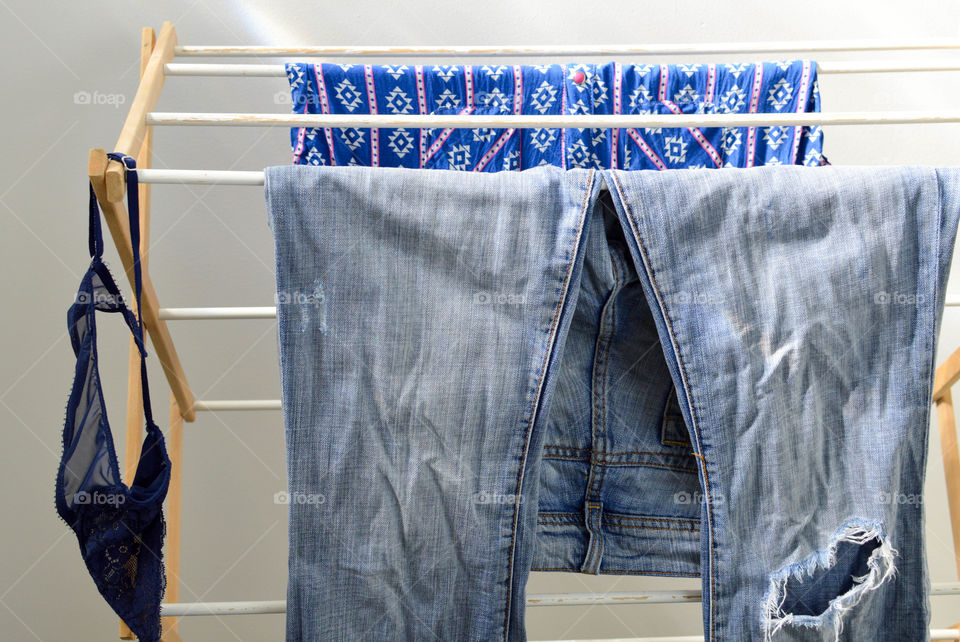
(799, 311)
(619, 492)
(417, 315)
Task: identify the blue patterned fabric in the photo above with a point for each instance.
(609, 88)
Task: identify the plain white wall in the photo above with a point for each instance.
(211, 246)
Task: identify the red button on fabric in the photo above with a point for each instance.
(579, 77)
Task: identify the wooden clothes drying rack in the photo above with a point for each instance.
(136, 138)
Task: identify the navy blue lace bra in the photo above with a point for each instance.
(120, 529)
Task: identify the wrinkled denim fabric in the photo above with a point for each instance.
(577, 443)
(435, 325)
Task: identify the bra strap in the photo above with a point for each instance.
(96, 251)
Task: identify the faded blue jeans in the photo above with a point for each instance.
(434, 325)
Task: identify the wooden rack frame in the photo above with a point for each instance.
(136, 139)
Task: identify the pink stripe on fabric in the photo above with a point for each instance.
(711, 83)
(664, 74)
(563, 110)
(442, 138)
(802, 100)
(698, 136)
(468, 85)
(493, 150)
(518, 108)
(754, 105)
(652, 155)
(374, 132)
(301, 134)
(422, 106)
(324, 108)
(615, 134)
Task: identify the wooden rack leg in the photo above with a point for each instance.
(946, 376)
(174, 512)
(135, 418)
(951, 466)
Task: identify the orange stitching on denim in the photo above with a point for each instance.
(630, 517)
(622, 452)
(684, 378)
(671, 573)
(616, 572)
(644, 452)
(681, 520)
(613, 523)
(626, 464)
(642, 464)
(656, 528)
(533, 412)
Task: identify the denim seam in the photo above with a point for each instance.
(649, 465)
(598, 404)
(629, 463)
(671, 394)
(931, 347)
(609, 525)
(599, 415)
(551, 338)
(618, 572)
(620, 452)
(685, 379)
(628, 517)
(655, 528)
(602, 464)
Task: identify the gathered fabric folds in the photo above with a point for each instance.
(724, 374)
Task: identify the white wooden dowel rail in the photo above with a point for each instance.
(226, 70)
(659, 49)
(237, 404)
(935, 634)
(549, 599)
(194, 314)
(672, 638)
(270, 312)
(594, 121)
